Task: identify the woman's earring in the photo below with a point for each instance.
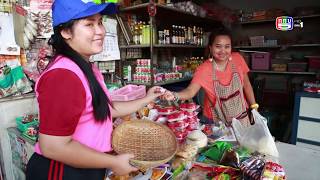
(210, 57)
(230, 58)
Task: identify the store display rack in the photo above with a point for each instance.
(273, 20)
(162, 12)
(161, 46)
(279, 46)
(283, 73)
(161, 83)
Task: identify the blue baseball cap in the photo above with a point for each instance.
(66, 10)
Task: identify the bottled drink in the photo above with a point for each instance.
(195, 41)
(185, 33)
(167, 35)
(174, 35)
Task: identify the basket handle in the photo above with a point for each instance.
(132, 163)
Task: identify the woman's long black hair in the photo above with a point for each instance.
(221, 31)
(100, 100)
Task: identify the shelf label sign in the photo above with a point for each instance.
(286, 23)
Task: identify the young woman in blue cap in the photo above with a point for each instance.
(74, 105)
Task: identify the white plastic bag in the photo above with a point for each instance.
(256, 137)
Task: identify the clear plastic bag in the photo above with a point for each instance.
(256, 137)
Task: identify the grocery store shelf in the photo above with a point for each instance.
(134, 8)
(278, 46)
(273, 20)
(255, 47)
(176, 46)
(135, 46)
(162, 46)
(285, 73)
(13, 98)
(164, 12)
(161, 83)
(305, 45)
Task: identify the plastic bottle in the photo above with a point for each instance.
(129, 73)
(174, 63)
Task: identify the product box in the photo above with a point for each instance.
(260, 61)
(314, 64)
(279, 67)
(297, 67)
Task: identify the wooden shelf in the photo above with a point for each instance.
(273, 20)
(162, 46)
(161, 83)
(284, 73)
(305, 45)
(134, 46)
(175, 14)
(13, 98)
(176, 46)
(255, 47)
(278, 46)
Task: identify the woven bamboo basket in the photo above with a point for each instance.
(151, 143)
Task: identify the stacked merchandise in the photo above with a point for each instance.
(21, 150)
(181, 119)
(25, 29)
(208, 151)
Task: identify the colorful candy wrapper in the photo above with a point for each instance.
(273, 171)
(252, 168)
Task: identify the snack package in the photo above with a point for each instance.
(217, 170)
(230, 158)
(216, 151)
(273, 171)
(252, 168)
(196, 174)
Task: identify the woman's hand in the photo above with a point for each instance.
(169, 96)
(155, 92)
(122, 166)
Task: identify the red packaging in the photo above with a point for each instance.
(193, 126)
(183, 105)
(191, 113)
(189, 106)
(181, 135)
(178, 125)
(166, 110)
(192, 119)
(176, 116)
(192, 105)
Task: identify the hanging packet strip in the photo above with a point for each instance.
(8, 44)
(13, 81)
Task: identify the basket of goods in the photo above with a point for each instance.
(151, 143)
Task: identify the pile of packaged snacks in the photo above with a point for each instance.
(28, 125)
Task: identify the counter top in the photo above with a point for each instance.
(299, 162)
(308, 94)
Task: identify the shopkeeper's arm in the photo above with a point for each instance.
(248, 91)
(185, 94)
(124, 108)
